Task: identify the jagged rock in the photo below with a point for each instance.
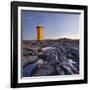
(59, 57)
(46, 70)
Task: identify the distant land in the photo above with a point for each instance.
(55, 39)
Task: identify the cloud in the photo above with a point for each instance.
(30, 18)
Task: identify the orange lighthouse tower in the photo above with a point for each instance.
(40, 32)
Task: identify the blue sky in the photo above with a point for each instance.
(56, 25)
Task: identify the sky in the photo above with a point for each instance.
(55, 24)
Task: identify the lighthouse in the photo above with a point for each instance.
(40, 32)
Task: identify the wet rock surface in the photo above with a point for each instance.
(50, 57)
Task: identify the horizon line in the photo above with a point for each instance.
(56, 39)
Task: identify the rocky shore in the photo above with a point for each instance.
(50, 57)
